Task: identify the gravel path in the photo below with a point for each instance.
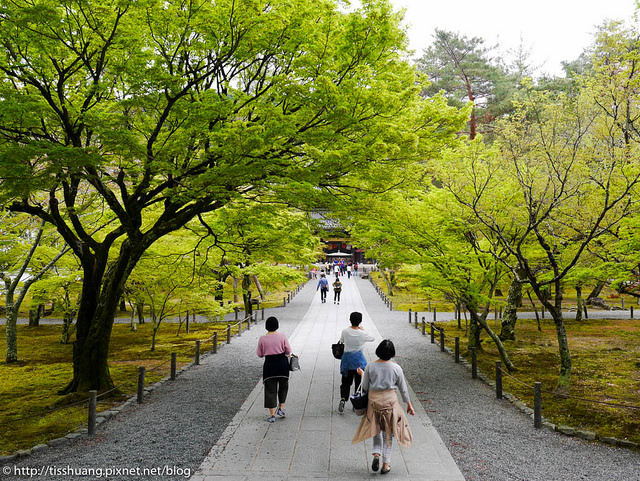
(180, 421)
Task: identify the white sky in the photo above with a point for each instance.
(553, 30)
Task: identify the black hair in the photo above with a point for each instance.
(386, 350)
(271, 324)
(355, 318)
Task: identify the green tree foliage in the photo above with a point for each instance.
(465, 70)
(135, 117)
(24, 260)
(563, 175)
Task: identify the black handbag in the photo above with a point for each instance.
(359, 400)
(337, 349)
(294, 363)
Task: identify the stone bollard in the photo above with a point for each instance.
(457, 350)
(141, 373)
(537, 405)
(474, 364)
(93, 403)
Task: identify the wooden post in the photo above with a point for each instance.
(537, 405)
(631, 311)
(173, 366)
(442, 339)
(187, 326)
(93, 403)
(435, 315)
(409, 315)
(235, 312)
(215, 342)
(263, 313)
(390, 305)
(433, 334)
(424, 326)
(474, 364)
(228, 333)
(416, 317)
(429, 306)
(415, 324)
(197, 359)
(498, 379)
(457, 350)
(141, 372)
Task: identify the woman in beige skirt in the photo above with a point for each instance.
(384, 419)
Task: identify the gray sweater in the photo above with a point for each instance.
(385, 375)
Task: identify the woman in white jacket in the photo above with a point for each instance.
(354, 339)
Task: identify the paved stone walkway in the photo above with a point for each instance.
(314, 440)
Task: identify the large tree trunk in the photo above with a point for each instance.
(555, 309)
(12, 330)
(579, 302)
(510, 317)
(259, 286)
(35, 314)
(101, 293)
(246, 294)
(596, 291)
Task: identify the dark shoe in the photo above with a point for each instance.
(341, 405)
(376, 464)
(280, 412)
(385, 469)
(271, 419)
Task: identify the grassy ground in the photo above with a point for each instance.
(606, 365)
(29, 387)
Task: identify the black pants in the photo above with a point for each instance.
(275, 391)
(336, 296)
(323, 295)
(352, 377)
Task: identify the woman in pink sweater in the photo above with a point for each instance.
(274, 347)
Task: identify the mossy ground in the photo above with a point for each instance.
(605, 355)
(30, 387)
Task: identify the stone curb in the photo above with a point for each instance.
(561, 428)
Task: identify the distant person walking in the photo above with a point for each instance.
(274, 348)
(323, 285)
(384, 419)
(349, 271)
(354, 339)
(337, 289)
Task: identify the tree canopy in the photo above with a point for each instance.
(135, 117)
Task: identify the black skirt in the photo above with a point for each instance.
(276, 365)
